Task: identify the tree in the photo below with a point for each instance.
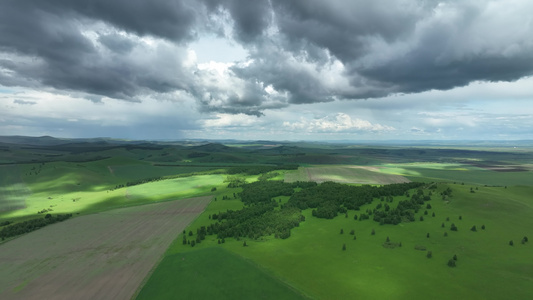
(460, 217)
(453, 227)
(429, 254)
(387, 240)
(473, 228)
(421, 218)
(354, 238)
(355, 217)
(445, 234)
(342, 231)
(428, 206)
(451, 263)
(343, 247)
(427, 235)
(352, 232)
(442, 225)
(511, 243)
(244, 244)
(373, 232)
(433, 214)
(455, 257)
(483, 226)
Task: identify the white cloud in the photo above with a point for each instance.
(340, 122)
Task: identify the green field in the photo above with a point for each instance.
(491, 188)
(487, 267)
(213, 273)
(13, 191)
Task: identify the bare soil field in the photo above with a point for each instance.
(344, 174)
(100, 256)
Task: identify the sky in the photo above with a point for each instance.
(267, 69)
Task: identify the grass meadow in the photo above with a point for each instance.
(313, 262)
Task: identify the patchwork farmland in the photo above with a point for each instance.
(99, 256)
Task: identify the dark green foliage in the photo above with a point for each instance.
(442, 225)
(451, 263)
(473, 228)
(329, 198)
(343, 247)
(354, 237)
(421, 218)
(373, 232)
(453, 227)
(525, 239)
(355, 217)
(387, 240)
(483, 226)
(342, 231)
(427, 235)
(460, 217)
(447, 219)
(31, 225)
(352, 232)
(429, 254)
(244, 244)
(445, 233)
(426, 212)
(5, 223)
(428, 206)
(455, 257)
(433, 214)
(511, 243)
(193, 243)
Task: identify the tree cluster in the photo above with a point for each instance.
(329, 198)
(31, 225)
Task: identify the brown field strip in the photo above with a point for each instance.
(100, 256)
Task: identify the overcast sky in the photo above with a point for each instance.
(267, 69)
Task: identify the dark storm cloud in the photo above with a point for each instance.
(48, 45)
(307, 50)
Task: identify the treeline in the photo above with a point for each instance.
(329, 198)
(404, 211)
(256, 221)
(263, 215)
(31, 225)
(263, 191)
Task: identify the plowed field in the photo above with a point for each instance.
(100, 256)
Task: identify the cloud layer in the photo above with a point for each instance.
(293, 55)
(300, 51)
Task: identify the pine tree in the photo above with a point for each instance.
(429, 254)
(343, 247)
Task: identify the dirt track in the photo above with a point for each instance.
(100, 256)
